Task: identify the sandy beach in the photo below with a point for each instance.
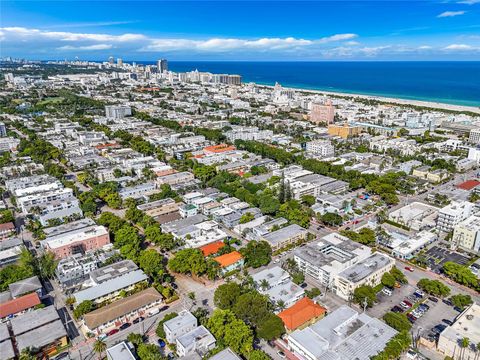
(429, 104)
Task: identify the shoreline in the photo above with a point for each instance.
(423, 103)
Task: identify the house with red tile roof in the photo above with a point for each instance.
(468, 185)
(19, 305)
(6, 230)
(229, 262)
(212, 248)
(302, 314)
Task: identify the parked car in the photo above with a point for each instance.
(61, 356)
(397, 285)
(447, 302)
(456, 308)
(281, 354)
(125, 326)
(409, 268)
(408, 303)
(404, 305)
(397, 309)
(419, 293)
(161, 343)
(387, 291)
(448, 322)
(101, 337)
(432, 298)
(163, 308)
(112, 332)
(438, 329)
(137, 320)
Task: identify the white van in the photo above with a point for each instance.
(387, 291)
(153, 312)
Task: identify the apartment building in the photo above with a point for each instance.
(77, 241)
(466, 234)
(29, 201)
(180, 325)
(176, 178)
(332, 254)
(452, 214)
(321, 148)
(137, 191)
(121, 311)
(285, 236)
(366, 272)
(159, 207)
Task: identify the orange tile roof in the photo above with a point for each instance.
(19, 304)
(468, 185)
(302, 311)
(228, 259)
(212, 248)
(7, 226)
(219, 148)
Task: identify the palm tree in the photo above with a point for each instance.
(99, 347)
(264, 284)
(280, 305)
(26, 354)
(464, 344)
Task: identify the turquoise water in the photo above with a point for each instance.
(447, 82)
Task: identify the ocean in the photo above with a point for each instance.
(447, 82)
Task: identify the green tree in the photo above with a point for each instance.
(247, 217)
(149, 352)
(226, 295)
(271, 327)
(251, 307)
(398, 275)
(135, 339)
(461, 300)
(99, 347)
(364, 294)
(388, 280)
(188, 261)
(83, 308)
(257, 253)
(308, 200)
(151, 262)
(461, 274)
(258, 355)
(313, 293)
(397, 321)
(332, 219)
(434, 287)
(235, 333)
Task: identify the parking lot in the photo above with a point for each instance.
(437, 256)
(423, 325)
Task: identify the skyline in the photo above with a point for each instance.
(243, 31)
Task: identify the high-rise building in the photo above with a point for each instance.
(117, 111)
(111, 60)
(452, 214)
(3, 130)
(322, 113)
(162, 65)
(119, 62)
(474, 136)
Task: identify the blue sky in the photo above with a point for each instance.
(242, 30)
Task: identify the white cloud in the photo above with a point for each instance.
(451, 14)
(352, 43)
(140, 42)
(86, 48)
(222, 44)
(469, 2)
(459, 47)
(21, 33)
